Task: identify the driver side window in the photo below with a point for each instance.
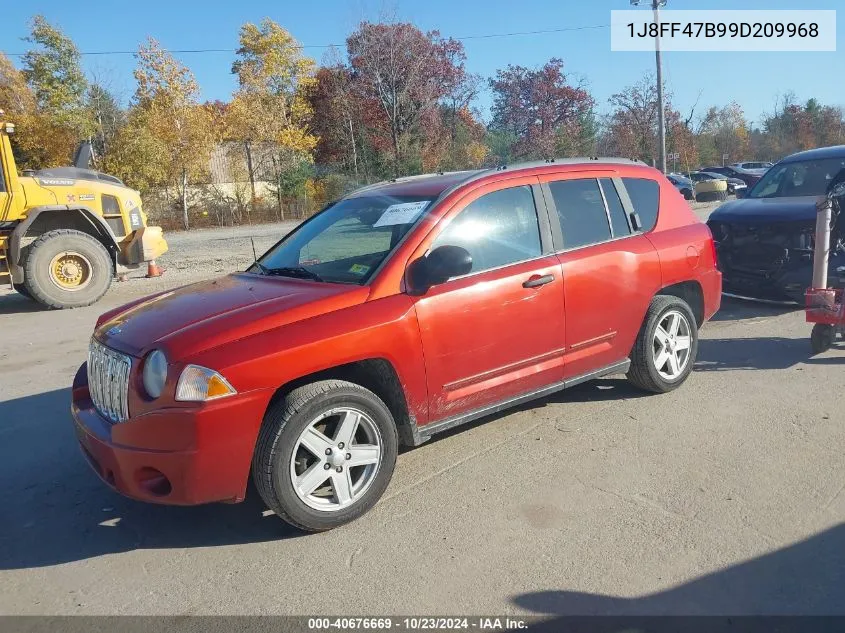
(497, 229)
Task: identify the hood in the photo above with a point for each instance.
(753, 210)
(203, 315)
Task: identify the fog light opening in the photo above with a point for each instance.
(154, 482)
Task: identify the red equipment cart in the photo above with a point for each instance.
(825, 306)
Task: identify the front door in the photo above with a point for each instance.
(498, 331)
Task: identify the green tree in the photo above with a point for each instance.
(53, 71)
(107, 117)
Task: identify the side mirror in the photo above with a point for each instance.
(440, 265)
(837, 190)
(740, 193)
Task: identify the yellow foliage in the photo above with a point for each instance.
(274, 78)
(476, 153)
(168, 132)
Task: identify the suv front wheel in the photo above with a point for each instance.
(325, 454)
(666, 346)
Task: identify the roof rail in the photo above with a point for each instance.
(391, 181)
(613, 160)
(475, 174)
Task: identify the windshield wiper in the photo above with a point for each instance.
(293, 271)
(261, 267)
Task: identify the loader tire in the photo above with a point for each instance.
(67, 269)
(21, 290)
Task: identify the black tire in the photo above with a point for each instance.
(286, 420)
(687, 194)
(821, 338)
(21, 290)
(37, 275)
(643, 373)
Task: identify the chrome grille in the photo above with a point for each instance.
(108, 381)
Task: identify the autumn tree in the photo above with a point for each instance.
(400, 75)
(793, 127)
(723, 131)
(167, 140)
(633, 123)
(337, 118)
(538, 108)
(272, 105)
(16, 98)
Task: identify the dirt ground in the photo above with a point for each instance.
(723, 497)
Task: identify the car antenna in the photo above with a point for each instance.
(255, 257)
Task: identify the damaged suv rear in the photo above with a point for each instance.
(765, 241)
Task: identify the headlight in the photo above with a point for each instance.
(198, 384)
(155, 373)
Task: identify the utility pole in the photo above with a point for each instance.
(661, 110)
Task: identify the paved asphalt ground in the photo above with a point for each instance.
(723, 497)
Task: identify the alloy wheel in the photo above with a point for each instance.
(671, 345)
(336, 459)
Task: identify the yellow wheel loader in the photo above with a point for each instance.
(66, 232)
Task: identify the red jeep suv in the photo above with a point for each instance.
(404, 309)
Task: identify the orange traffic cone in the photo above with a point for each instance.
(153, 269)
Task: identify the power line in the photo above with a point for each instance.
(304, 46)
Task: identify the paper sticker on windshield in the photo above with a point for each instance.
(403, 213)
(359, 269)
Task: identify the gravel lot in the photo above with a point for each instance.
(724, 497)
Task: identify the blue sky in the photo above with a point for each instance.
(755, 80)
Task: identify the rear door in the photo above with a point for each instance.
(610, 270)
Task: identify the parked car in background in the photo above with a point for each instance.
(765, 241)
(752, 165)
(709, 187)
(733, 183)
(359, 331)
(683, 184)
(749, 178)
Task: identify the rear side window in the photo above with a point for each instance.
(645, 196)
(580, 206)
(618, 217)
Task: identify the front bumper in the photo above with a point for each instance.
(784, 286)
(177, 456)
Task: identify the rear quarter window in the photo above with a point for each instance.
(645, 197)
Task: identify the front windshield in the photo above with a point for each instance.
(345, 243)
(802, 178)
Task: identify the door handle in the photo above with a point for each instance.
(536, 281)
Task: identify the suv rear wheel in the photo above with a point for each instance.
(325, 454)
(666, 346)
